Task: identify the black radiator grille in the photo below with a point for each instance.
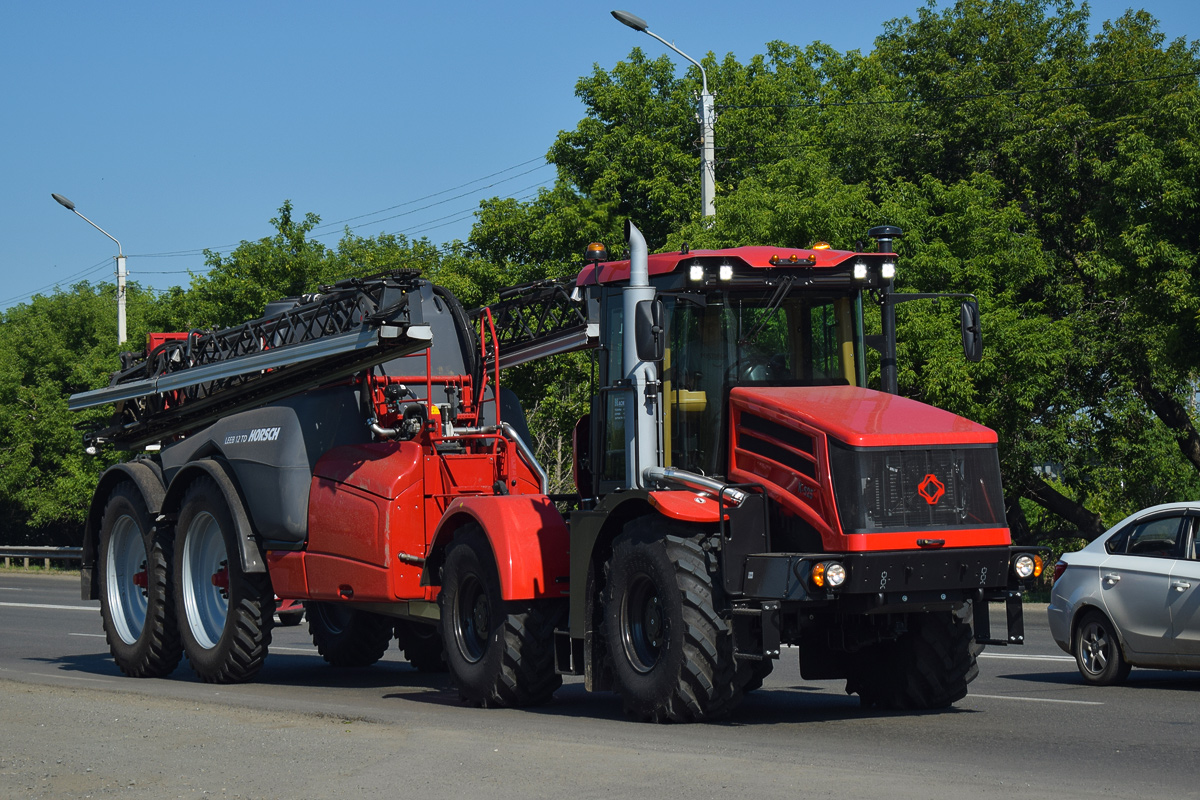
(915, 489)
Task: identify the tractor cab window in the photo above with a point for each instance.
(725, 339)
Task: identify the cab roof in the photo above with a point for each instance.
(755, 257)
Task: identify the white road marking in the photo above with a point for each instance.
(97, 635)
(1027, 657)
(309, 651)
(73, 677)
(1034, 699)
(93, 609)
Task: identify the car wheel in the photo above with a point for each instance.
(1098, 652)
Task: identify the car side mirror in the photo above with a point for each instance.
(972, 334)
(648, 330)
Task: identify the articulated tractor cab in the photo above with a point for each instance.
(743, 489)
(738, 489)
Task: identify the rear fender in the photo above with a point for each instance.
(147, 477)
(222, 475)
(528, 537)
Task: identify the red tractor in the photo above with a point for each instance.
(737, 488)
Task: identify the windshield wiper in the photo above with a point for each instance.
(781, 293)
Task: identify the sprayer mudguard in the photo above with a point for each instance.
(146, 475)
(219, 471)
(528, 537)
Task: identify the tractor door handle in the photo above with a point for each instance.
(1112, 577)
(1181, 586)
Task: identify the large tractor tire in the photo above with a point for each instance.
(757, 672)
(136, 604)
(422, 645)
(346, 636)
(225, 613)
(670, 652)
(928, 667)
(500, 654)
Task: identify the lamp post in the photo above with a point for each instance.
(67, 204)
(706, 111)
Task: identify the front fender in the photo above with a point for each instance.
(528, 537)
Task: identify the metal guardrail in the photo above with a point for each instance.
(47, 554)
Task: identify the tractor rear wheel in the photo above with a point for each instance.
(136, 605)
(346, 636)
(225, 613)
(927, 667)
(500, 654)
(670, 652)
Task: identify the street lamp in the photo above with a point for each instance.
(67, 204)
(706, 112)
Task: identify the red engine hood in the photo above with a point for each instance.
(863, 417)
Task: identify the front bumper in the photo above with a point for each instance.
(775, 585)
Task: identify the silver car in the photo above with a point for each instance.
(1131, 598)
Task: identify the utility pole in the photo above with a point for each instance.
(67, 204)
(706, 111)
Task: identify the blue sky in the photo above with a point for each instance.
(178, 127)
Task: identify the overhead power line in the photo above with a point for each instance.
(200, 250)
(69, 279)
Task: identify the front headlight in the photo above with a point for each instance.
(829, 574)
(1027, 566)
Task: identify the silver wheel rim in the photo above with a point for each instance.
(1094, 647)
(204, 560)
(126, 600)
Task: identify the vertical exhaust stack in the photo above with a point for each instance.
(641, 404)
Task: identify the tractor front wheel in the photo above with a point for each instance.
(670, 651)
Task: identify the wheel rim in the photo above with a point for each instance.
(1095, 648)
(643, 626)
(205, 580)
(126, 578)
(472, 615)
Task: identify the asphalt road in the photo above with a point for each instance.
(72, 726)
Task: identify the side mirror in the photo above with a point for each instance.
(972, 334)
(648, 330)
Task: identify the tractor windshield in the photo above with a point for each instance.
(731, 338)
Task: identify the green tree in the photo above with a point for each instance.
(50, 348)
(238, 287)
